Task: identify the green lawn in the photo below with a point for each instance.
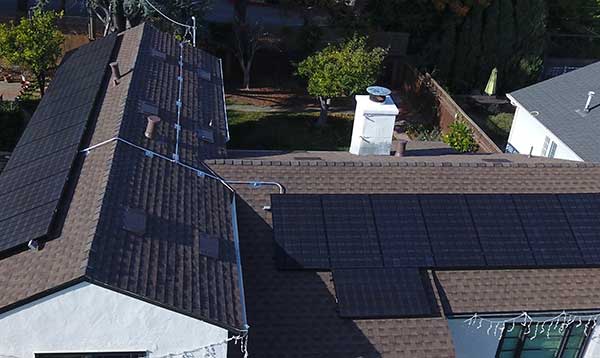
(288, 131)
(498, 127)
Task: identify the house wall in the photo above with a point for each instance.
(526, 132)
(89, 318)
(471, 342)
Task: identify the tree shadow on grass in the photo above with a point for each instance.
(290, 131)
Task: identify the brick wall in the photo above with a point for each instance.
(429, 98)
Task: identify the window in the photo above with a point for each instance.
(545, 146)
(549, 148)
(518, 343)
(552, 150)
(93, 355)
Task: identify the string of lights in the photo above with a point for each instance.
(539, 327)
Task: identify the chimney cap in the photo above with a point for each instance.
(378, 93)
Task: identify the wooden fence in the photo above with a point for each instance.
(425, 95)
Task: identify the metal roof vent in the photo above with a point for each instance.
(134, 221)
(151, 126)
(158, 54)
(207, 135)
(205, 75)
(33, 245)
(589, 101)
(149, 108)
(116, 72)
(209, 246)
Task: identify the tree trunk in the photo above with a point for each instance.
(246, 70)
(41, 80)
(119, 19)
(324, 103)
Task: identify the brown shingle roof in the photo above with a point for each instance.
(168, 265)
(288, 309)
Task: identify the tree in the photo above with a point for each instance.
(341, 70)
(247, 39)
(115, 14)
(34, 44)
(460, 137)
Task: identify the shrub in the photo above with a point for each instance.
(460, 137)
(421, 132)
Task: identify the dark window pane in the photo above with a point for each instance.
(539, 354)
(509, 343)
(506, 355)
(570, 353)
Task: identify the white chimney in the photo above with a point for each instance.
(374, 121)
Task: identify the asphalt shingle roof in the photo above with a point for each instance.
(560, 102)
(289, 309)
(184, 258)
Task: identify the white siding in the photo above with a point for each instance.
(527, 132)
(88, 318)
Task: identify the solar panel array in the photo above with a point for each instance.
(446, 230)
(383, 293)
(376, 244)
(33, 180)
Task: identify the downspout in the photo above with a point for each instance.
(238, 259)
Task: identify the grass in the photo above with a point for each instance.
(288, 131)
(498, 127)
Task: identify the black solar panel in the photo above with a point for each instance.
(547, 230)
(351, 231)
(33, 180)
(451, 232)
(500, 231)
(383, 293)
(299, 232)
(583, 213)
(401, 230)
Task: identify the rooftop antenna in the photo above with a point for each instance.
(589, 101)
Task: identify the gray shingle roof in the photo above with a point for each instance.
(558, 101)
(185, 259)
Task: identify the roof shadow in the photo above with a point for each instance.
(289, 311)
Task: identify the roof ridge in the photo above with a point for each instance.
(329, 163)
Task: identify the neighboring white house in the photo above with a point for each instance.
(559, 118)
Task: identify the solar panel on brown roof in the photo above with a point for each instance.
(351, 232)
(383, 293)
(450, 228)
(401, 230)
(500, 231)
(299, 232)
(547, 230)
(34, 179)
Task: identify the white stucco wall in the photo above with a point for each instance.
(89, 318)
(470, 342)
(526, 132)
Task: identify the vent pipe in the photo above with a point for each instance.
(116, 72)
(589, 101)
(151, 126)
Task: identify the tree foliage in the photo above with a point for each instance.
(341, 70)
(460, 137)
(34, 44)
(504, 34)
(115, 14)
